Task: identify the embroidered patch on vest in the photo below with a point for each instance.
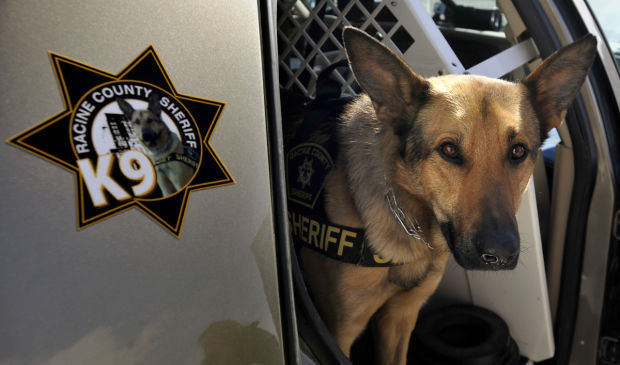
(307, 165)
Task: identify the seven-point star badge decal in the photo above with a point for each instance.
(130, 139)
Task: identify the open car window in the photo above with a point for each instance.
(607, 14)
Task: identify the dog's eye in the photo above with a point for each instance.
(518, 153)
(450, 152)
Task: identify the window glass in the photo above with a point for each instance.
(607, 13)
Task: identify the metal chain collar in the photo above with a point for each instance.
(411, 227)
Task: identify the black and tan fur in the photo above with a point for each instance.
(458, 152)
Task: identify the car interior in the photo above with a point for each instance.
(503, 39)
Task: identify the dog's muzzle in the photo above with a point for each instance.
(499, 250)
(150, 137)
(491, 248)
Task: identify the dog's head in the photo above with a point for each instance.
(146, 123)
(466, 145)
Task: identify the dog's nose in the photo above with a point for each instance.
(500, 250)
(489, 258)
(149, 136)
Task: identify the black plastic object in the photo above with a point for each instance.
(465, 335)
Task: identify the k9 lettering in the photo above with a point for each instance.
(134, 165)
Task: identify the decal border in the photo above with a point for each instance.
(175, 227)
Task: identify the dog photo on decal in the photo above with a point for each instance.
(174, 163)
(424, 168)
(136, 117)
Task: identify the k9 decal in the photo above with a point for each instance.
(130, 139)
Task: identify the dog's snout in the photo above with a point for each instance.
(499, 249)
(507, 259)
(149, 136)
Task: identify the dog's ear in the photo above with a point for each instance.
(555, 83)
(389, 82)
(154, 105)
(126, 108)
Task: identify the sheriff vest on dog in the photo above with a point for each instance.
(420, 168)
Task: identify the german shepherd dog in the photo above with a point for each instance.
(159, 143)
(451, 153)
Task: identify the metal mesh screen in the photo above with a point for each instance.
(309, 38)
